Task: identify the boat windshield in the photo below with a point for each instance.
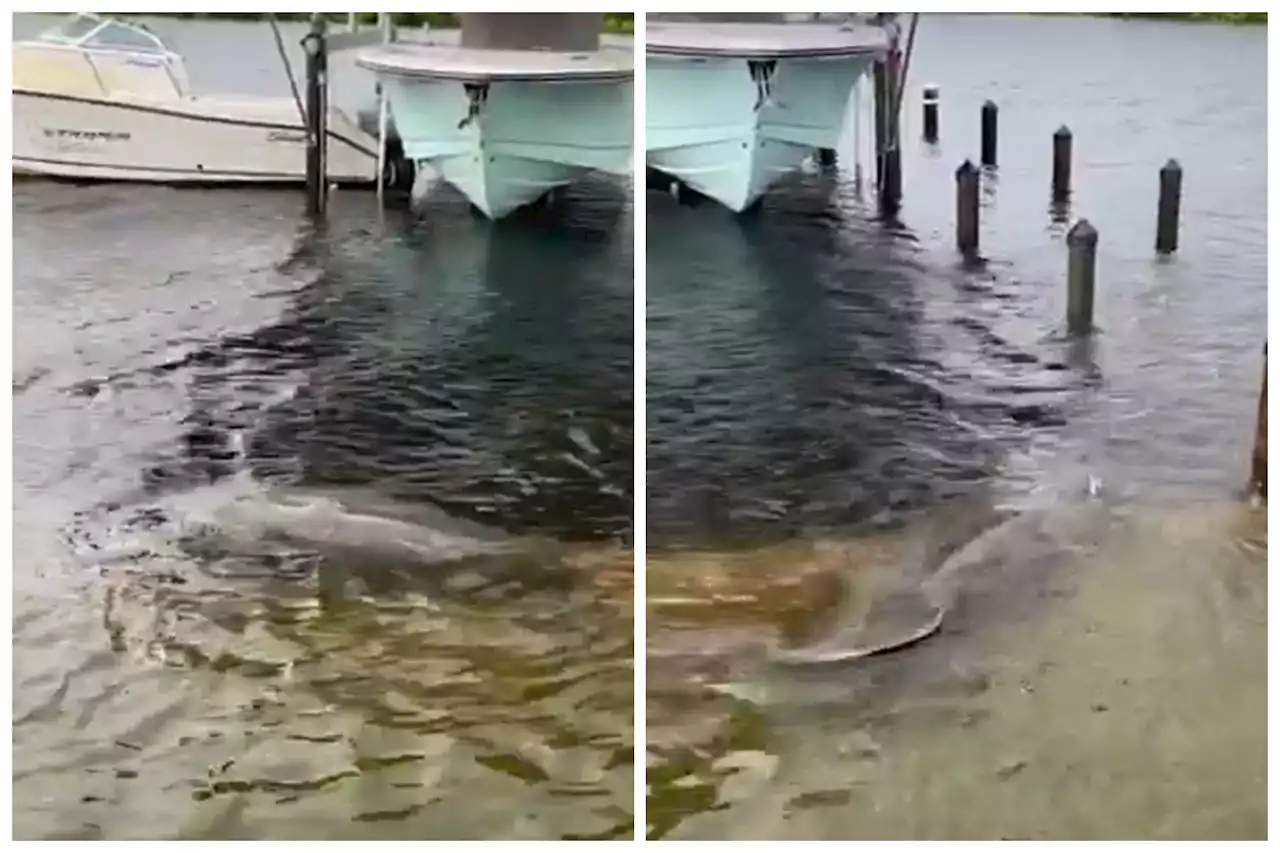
(91, 31)
(73, 29)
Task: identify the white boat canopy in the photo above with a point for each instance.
(90, 31)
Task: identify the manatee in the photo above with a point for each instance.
(247, 529)
(991, 576)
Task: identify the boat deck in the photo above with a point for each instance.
(445, 61)
(771, 41)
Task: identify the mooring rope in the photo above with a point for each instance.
(288, 68)
(906, 66)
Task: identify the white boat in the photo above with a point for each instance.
(97, 98)
(732, 107)
(506, 125)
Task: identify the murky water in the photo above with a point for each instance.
(179, 351)
(823, 388)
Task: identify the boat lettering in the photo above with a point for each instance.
(286, 136)
(90, 135)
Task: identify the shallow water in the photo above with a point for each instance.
(1133, 705)
(818, 376)
(173, 346)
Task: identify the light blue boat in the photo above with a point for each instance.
(731, 108)
(506, 126)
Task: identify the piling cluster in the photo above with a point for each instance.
(1082, 238)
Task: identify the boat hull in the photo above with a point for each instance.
(526, 138)
(192, 140)
(710, 125)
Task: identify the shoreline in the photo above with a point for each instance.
(614, 22)
(1238, 18)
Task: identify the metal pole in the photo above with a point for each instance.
(383, 114)
(317, 131)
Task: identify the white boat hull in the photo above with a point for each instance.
(533, 137)
(193, 140)
(708, 128)
(734, 107)
(505, 127)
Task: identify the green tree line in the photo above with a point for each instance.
(620, 22)
(1221, 17)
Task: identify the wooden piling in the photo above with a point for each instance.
(891, 192)
(990, 115)
(1168, 208)
(1061, 165)
(888, 159)
(1082, 259)
(1258, 476)
(314, 44)
(880, 96)
(888, 156)
(967, 221)
(930, 98)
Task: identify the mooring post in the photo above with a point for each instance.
(1259, 473)
(891, 178)
(317, 114)
(891, 192)
(990, 114)
(1061, 164)
(826, 157)
(1082, 259)
(881, 98)
(967, 179)
(1168, 209)
(931, 114)
(888, 155)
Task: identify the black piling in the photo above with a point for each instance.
(1168, 209)
(314, 43)
(1061, 165)
(967, 221)
(990, 115)
(931, 114)
(1082, 260)
(826, 157)
(889, 154)
(879, 77)
(891, 192)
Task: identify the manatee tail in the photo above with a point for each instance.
(898, 620)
